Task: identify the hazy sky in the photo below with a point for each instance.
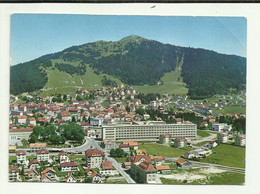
(34, 35)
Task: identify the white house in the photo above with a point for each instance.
(13, 174)
(240, 140)
(70, 179)
(107, 169)
(222, 138)
(63, 157)
(42, 155)
(21, 157)
(69, 166)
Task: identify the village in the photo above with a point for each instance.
(109, 135)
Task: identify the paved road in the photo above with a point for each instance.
(209, 138)
(117, 166)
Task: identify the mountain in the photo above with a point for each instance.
(135, 61)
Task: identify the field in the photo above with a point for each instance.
(120, 160)
(161, 150)
(226, 178)
(201, 143)
(171, 83)
(116, 181)
(227, 155)
(230, 109)
(202, 133)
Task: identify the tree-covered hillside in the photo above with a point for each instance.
(138, 61)
(29, 76)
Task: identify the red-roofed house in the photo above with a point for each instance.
(63, 157)
(180, 142)
(64, 115)
(20, 134)
(13, 174)
(143, 170)
(94, 158)
(96, 178)
(69, 166)
(32, 175)
(107, 169)
(163, 169)
(50, 172)
(165, 138)
(70, 179)
(42, 155)
(35, 164)
(21, 157)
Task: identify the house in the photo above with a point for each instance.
(32, 175)
(165, 138)
(240, 140)
(69, 166)
(35, 164)
(183, 163)
(37, 146)
(21, 157)
(107, 169)
(31, 120)
(42, 155)
(96, 178)
(222, 138)
(165, 169)
(94, 158)
(146, 116)
(109, 144)
(64, 115)
(89, 171)
(125, 147)
(221, 127)
(212, 144)
(21, 119)
(140, 152)
(127, 165)
(45, 178)
(180, 142)
(20, 133)
(63, 157)
(50, 172)
(70, 179)
(203, 110)
(132, 144)
(157, 160)
(13, 174)
(142, 169)
(204, 124)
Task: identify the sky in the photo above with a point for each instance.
(34, 35)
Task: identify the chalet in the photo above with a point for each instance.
(203, 110)
(69, 166)
(94, 158)
(63, 157)
(89, 171)
(157, 160)
(127, 165)
(21, 157)
(165, 138)
(42, 155)
(35, 164)
(107, 169)
(45, 178)
(165, 169)
(96, 178)
(13, 174)
(131, 144)
(182, 163)
(50, 172)
(32, 175)
(70, 179)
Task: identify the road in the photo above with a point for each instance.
(117, 166)
(209, 138)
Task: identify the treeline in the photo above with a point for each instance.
(108, 82)
(70, 69)
(238, 124)
(29, 76)
(207, 73)
(146, 98)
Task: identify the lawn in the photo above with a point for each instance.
(161, 150)
(201, 143)
(227, 178)
(202, 133)
(120, 160)
(227, 155)
(116, 181)
(230, 109)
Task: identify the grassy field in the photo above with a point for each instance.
(116, 181)
(120, 160)
(172, 84)
(226, 178)
(202, 133)
(161, 150)
(227, 155)
(230, 109)
(201, 143)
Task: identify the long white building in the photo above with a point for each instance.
(147, 131)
